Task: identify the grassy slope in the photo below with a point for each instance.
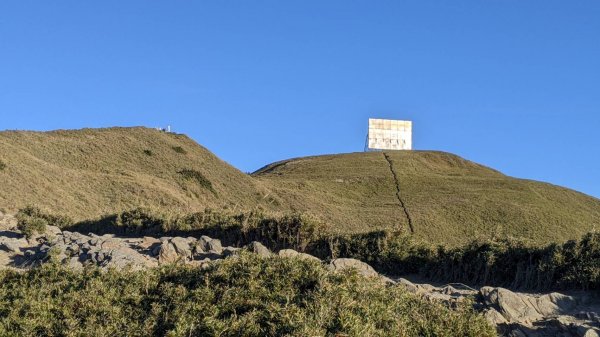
(85, 173)
(450, 200)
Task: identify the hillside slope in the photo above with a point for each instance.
(437, 196)
(90, 172)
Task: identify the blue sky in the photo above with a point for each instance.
(511, 84)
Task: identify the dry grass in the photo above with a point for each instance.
(92, 172)
(450, 200)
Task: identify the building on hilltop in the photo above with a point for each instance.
(388, 134)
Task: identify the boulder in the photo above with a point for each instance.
(182, 247)
(362, 268)
(258, 248)
(125, 257)
(554, 304)
(215, 246)
(203, 243)
(230, 251)
(167, 253)
(411, 287)
(294, 254)
(494, 317)
(148, 243)
(514, 307)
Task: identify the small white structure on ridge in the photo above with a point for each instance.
(389, 134)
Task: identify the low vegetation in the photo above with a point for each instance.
(244, 296)
(149, 153)
(197, 177)
(31, 220)
(2, 165)
(179, 149)
(496, 262)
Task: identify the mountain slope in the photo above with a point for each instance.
(89, 172)
(437, 196)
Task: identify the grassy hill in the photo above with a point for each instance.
(437, 196)
(90, 172)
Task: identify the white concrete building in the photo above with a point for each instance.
(388, 134)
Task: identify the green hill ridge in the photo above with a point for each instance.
(435, 196)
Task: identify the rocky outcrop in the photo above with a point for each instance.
(513, 313)
(519, 314)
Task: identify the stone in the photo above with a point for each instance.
(10, 247)
(182, 247)
(203, 243)
(411, 287)
(53, 230)
(125, 257)
(292, 253)
(111, 243)
(514, 307)
(167, 253)
(148, 242)
(362, 268)
(214, 245)
(258, 248)
(554, 304)
(230, 251)
(494, 317)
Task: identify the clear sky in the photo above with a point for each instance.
(511, 84)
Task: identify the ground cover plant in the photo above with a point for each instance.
(242, 296)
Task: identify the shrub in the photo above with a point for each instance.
(2, 165)
(148, 152)
(198, 178)
(245, 296)
(179, 149)
(139, 221)
(31, 220)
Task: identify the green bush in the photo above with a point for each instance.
(244, 296)
(31, 220)
(179, 149)
(148, 152)
(139, 221)
(197, 177)
(2, 165)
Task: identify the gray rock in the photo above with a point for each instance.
(203, 243)
(494, 317)
(230, 251)
(411, 287)
(214, 245)
(125, 257)
(362, 268)
(290, 253)
(167, 253)
(258, 248)
(10, 247)
(514, 307)
(182, 247)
